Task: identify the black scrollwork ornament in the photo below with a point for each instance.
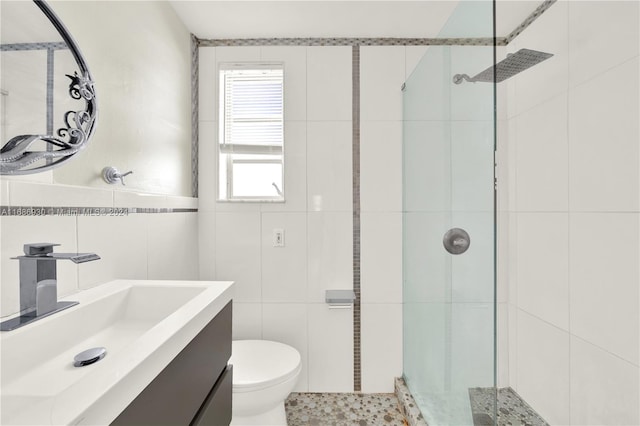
(26, 154)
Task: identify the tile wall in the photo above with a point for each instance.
(157, 147)
(134, 246)
(280, 291)
(570, 215)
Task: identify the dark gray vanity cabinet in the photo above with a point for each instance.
(195, 388)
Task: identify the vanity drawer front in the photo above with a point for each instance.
(216, 410)
(177, 393)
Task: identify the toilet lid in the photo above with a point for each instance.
(258, 364)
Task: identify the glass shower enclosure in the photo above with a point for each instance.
(449, 224)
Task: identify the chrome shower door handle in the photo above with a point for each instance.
(456, 241)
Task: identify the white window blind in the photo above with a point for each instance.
(251, 134)
(253, 111)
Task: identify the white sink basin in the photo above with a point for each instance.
(142, 324)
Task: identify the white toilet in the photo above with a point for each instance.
(264, 373)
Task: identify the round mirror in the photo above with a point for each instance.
(48, 99)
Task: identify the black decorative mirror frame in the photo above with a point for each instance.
(20, 155)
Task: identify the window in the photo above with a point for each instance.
(251, 138)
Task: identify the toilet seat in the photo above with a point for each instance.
(259, 364)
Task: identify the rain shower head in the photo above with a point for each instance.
(513, 64)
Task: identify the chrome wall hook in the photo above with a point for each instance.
(111, 175)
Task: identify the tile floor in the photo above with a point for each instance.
(383, 409)
(343, 409)
(512, 410)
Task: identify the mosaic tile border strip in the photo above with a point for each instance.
(55, 45)
(529, 20)
(381, 41)
(408, 405)
(346, 41)
(355, 120)
(195, 115)
(35, 211)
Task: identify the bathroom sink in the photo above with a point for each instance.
(142, 324)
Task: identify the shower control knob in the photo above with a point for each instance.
(456, 241)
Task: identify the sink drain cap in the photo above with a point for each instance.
(89, 356)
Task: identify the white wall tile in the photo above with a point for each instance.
(502, 353)
(604, 275)
(207, 165)
(207, 79)
(295, 169)
(472, 274)
(4, 192)
(543, 368)
(42, 177)
(426, 163)
(502, 91)
(548, 78)
(381, 257)
(615, 40)
(207, 245)
(467, 101)
(503, 148)
(238, 207)
(284, 269)
(238, 253)
(502, 257)
(329, 171)
(329, 83)
(471, 167)
(413, 56)
(604, 388)
(472, 345)
(381, 351)
(177, 202)
(423, 357)
(36, 194)
(18, 231)
(330, 349)
(381, 166)
(135, 199)
(513, 345)
(430, 75)
(427, 266)
(287, 323)
(121, 243)
(295, 78)
(231, 54)
(330, 253)
(247, 320)
(382, 73)
(543, 157)
(510, 87)
(603, 141)
(511, 160)
(172, 253)
(543, 266)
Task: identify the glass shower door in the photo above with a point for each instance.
(448, 167)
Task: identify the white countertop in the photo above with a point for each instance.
(143, 324)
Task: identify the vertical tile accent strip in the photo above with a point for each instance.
(355, 118)
(195, 65)
(50, 71)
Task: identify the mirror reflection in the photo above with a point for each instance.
(44, 119)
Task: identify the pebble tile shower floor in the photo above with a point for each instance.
(343, 409)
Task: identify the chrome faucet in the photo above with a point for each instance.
(38, 283)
